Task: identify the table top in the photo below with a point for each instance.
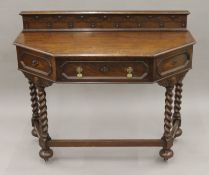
(128, 43)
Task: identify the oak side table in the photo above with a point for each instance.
(105, 47)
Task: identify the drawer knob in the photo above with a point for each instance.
(79, 71)
(34, 63)
(129, 72)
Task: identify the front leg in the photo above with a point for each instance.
(34, 105)
(177, 107)
(167, 138)
(45, 151)
(40, 122)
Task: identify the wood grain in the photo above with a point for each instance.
(104, 44)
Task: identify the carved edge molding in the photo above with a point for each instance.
(98, 21)
(39, 82)
(172, 80)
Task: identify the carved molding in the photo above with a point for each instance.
(104, 21)
(39, 82)
(172, 80)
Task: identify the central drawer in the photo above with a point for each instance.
(81, 70)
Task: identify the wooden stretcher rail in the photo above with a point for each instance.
(106, 143)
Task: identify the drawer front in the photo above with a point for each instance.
(81, 70)
(35, 63)
(172, 64)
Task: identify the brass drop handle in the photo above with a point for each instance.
(79, 71)
(129, 72)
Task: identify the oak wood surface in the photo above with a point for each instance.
(106, 143)
(142, 44)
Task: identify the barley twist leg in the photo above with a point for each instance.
(177, 108)
(166, 152)
(34, 105)
(45, 152)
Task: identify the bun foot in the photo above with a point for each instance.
(34, 132)
(46, 154)
(178, 132)
(166, 153)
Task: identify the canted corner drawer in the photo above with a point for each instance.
(72, 70)
(35, 63)
(173, 63)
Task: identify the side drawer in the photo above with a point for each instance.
(171, 64)
(34, 62)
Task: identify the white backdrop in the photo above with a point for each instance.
(103, 111)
